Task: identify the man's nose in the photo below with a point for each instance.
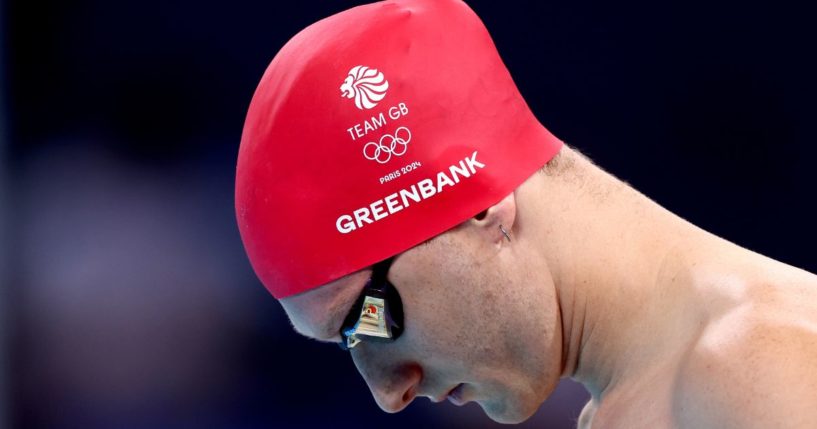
(393, 385)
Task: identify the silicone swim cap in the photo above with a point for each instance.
(372, 131)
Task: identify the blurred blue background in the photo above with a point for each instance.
(127, 300)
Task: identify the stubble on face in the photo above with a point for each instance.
(480, 317)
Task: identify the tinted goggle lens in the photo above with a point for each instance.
(377, 315)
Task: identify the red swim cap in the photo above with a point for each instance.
(372, 131)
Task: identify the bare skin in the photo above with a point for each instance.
(667, 325)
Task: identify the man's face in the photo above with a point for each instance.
(481, 324)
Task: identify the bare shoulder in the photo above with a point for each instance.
(752, 368)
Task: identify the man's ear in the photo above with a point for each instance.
(497, 221)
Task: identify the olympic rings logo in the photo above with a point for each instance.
(387, 146)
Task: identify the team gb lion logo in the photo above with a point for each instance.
(367, 86)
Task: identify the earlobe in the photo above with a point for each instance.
(497, 221)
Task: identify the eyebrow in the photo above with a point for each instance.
(331, 329)
(324, 333)
(334, 323)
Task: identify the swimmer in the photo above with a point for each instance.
(506, 259)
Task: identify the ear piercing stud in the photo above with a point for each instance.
(505, 233)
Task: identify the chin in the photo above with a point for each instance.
(508, 411)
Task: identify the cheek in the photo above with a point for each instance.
(493, 324)
(483, 322)
(458, 317)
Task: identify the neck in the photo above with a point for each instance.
(620, 267)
